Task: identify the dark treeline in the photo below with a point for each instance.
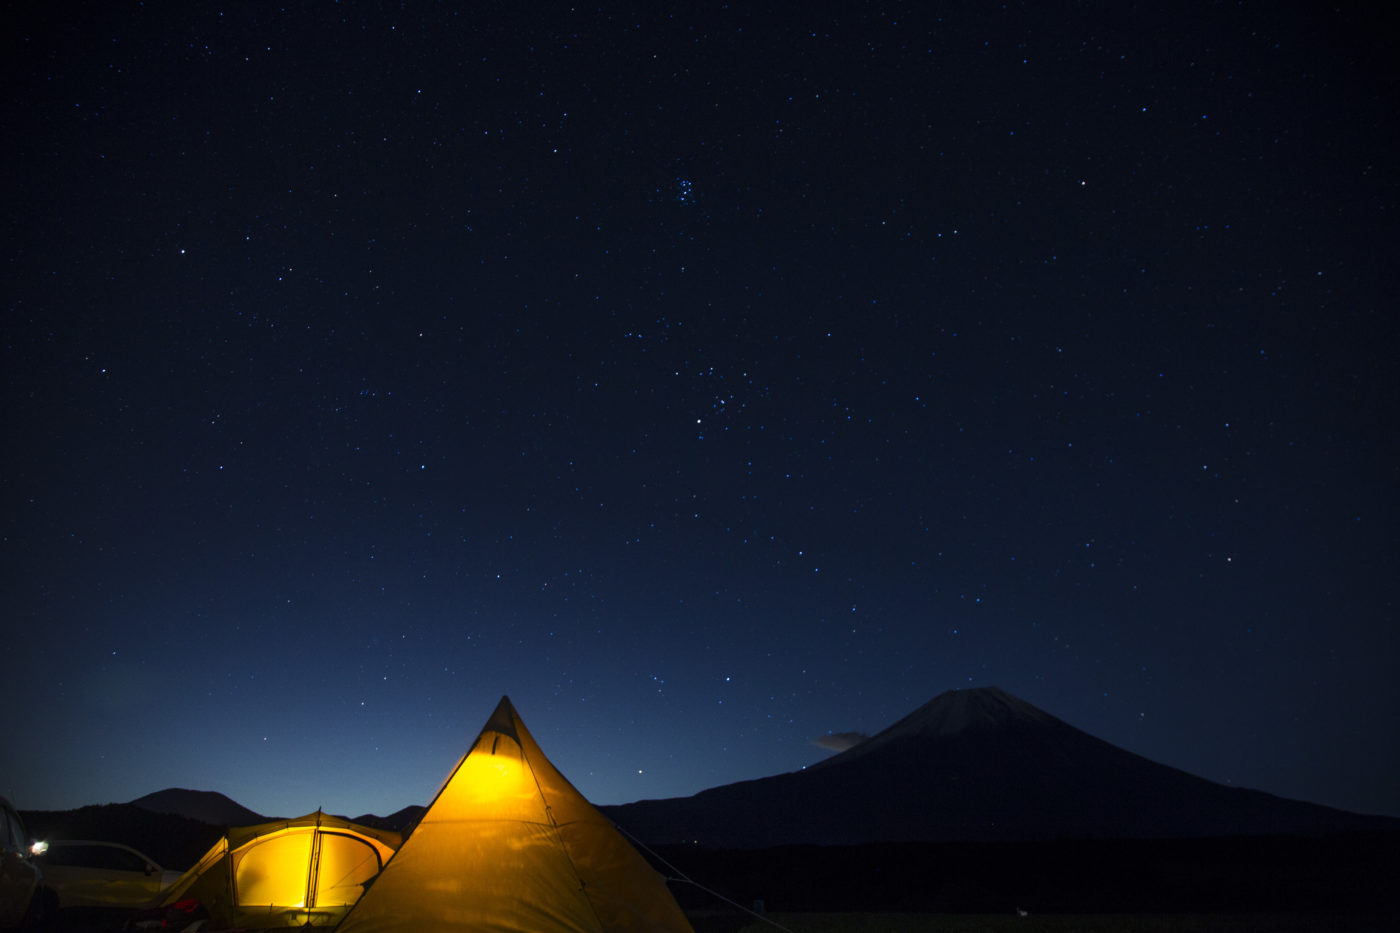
(175, 842)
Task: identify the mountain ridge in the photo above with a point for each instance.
(206, 806)
(977, 765)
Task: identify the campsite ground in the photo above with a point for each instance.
(734, 922)
(1047, 923)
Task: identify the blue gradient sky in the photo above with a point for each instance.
(706, 379)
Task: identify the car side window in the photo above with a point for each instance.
(106, 858)
(96, 857)
(63, 855)
(122, 860)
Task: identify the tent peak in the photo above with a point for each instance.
(504, 720)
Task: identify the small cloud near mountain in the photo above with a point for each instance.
(839, 741)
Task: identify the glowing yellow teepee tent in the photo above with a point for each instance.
(287, 873)
(509, 845)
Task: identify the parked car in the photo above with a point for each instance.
(90, 873)
(25, 900)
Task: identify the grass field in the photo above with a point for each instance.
(1048, 923)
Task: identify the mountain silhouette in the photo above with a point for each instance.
(400, 821)
(977, 765)
(203, 805)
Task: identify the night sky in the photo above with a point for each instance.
(706, 378)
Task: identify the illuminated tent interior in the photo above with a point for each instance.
(508, 844)
(306, 871)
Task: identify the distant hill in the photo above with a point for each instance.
(400, 821)
(977, 765)
(202, 805)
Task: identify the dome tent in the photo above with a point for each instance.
(286, 873)
(508, 844)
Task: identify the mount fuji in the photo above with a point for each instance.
(977, 765)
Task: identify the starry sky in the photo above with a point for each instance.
(707, 377)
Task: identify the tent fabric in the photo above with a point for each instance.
(309, 870)
(508, 844)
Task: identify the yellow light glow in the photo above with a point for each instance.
(499, 784)
(274, 870)
(493, 774)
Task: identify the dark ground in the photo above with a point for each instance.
(1330, 875)
(1051, 923)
